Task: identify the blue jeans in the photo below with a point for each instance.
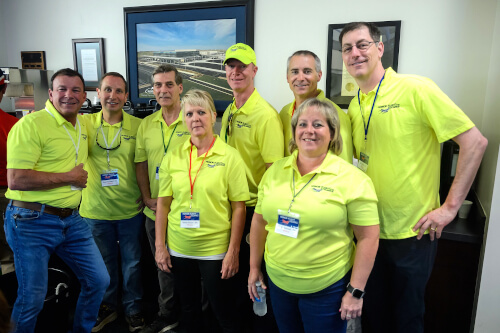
(33, 237)
(310, 313)
(121, 237)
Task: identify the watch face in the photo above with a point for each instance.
(357, 293)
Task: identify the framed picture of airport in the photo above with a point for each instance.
(193, 37)
(340, 85)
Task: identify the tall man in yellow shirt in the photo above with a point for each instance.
(45, 155)
(303, 72)
(110, 203)
(253, 127)
(158, 134)
(398, 122)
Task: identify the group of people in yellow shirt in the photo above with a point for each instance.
(215, 206)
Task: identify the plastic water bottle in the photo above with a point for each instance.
(260, 306)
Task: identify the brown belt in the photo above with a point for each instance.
(61, 212)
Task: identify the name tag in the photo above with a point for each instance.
(190, 219)
(110, 178)
(288, 223)
(363, 161)
(157, 172)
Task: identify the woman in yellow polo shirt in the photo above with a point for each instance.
(309, 206)
(202, 195)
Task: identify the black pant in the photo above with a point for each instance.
(187, 274)
(394, 300)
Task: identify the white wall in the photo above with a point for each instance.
(454, 42)
(435, 37)
(487, 318)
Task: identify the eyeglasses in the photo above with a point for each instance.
(229, 124)
(105, 148)
(362, 46)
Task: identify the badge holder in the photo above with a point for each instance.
(288, 223)
(110, 178)
(190, 219)
(363, 161)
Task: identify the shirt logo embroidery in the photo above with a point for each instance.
(211, 164)
(241, 124)
(181, 133)
(317, 188)
(128, 137)
(386, 108)
(84, 136)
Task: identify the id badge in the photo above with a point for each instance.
(288, 223)
(190, 219)
(363, 161)
(157, 176)
(110, 178)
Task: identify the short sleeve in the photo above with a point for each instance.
(237, 180)
(440, 112)
(362, 206)
(140, 149)
(165, 178)
(270, 138)
(23, 145)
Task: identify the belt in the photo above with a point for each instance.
(61, 212)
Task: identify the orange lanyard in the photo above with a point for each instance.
(191, 182)
(293, 110)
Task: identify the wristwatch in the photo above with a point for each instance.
(356, 293)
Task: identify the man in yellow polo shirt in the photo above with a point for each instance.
(253, 127)
(158, 134)
(303, 72)
(110, 203)
(398, 122)
(45, 155)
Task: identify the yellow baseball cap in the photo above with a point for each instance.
(241, 52)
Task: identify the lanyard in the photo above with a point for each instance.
(106, 141)
(365, 125)
(293, 110)
(293, 188)
(163, 138)
(77, 147)
(191, 182)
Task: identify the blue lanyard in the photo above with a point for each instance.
(365, 125)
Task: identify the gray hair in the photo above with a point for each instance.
(317, 62)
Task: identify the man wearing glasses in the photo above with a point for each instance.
(158, 134)
(111, 203)
(303, 72)
(398, 122)
(45, 155)
(252, 126)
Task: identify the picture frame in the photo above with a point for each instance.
(340, 86)
(88, 58)
(193, 37)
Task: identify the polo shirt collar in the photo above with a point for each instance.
(389, 73)
(330, 164)
(125, 123)
(219, 147)
(249, 104)
(320, 96)
(159, 117)
(57, 116)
